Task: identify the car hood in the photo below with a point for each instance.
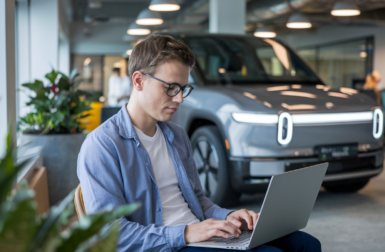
(302, 99)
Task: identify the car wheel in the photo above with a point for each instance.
(346, 187)
(213, 167)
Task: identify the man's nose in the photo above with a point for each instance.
(178, 98)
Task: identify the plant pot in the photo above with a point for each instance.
(60, 154)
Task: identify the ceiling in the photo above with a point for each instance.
(194, 14)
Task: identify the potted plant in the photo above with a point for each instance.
(55, 124)
(21, 230)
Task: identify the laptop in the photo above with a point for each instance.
(286, 208)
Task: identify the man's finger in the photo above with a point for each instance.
(254, 215)
(218, 233)
(227, 226)
(235, 222)
(244, 214)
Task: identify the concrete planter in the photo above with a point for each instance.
(60, 153)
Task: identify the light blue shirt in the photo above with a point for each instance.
(114, 169)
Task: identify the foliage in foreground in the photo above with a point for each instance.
(22, 231)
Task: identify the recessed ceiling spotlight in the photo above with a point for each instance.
(135, 29)
(345, 9)
(147, 17)
(298, 21)
(164, 5)
(264, 32)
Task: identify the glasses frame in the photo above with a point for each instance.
(169, 85)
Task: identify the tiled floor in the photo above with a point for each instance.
(345, 222)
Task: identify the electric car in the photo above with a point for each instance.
(257, 109)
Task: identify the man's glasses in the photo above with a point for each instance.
(174, 88)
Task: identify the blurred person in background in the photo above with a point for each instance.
(118, 89)
(371, 82)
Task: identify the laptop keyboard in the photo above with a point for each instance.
(242, 239)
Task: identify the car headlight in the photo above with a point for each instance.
(284, 121)
(255, 118)
(378, 123)
(285, 128)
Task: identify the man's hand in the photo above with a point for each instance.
(243, 219)
(204, 230)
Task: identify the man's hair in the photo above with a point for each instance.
(155, 50)
(116, 69)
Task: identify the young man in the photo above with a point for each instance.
(139, 156)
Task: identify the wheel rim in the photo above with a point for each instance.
(207, 162)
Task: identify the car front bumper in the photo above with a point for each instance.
(252, 175)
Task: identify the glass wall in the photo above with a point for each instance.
(343, 64)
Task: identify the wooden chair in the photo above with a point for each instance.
(79, 204)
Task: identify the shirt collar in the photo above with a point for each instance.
(126, 128)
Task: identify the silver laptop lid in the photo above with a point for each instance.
(288, 203)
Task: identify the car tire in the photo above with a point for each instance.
(213, 167)
(346, 187)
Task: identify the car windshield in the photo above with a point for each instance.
(248, 60)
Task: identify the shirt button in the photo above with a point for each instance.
(146, 163)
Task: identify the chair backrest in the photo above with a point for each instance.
(107, 112)
(79, 204)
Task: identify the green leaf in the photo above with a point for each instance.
(6, 181)
(63, 84)
(18, 223)
(64, 76)
(105, 242)
(52, 76)
(47, 128)
(37, 85)
(90, 225)
(48, 236)
(8, 168)
(57, 117)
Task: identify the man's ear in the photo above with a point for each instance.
(137, 80)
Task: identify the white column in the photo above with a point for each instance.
(23, 63)
(44, 23)
(227, 16)
(64, 55)
(7, 71)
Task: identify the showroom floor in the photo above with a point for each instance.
(344, 222)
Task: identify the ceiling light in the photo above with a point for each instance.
(363, 54)
(164, 5)
(135, 29)
(129, 51)
(95, 4)
(298, 21)
(264, 32)
(147, 17)
(87, 61)
(345, 9)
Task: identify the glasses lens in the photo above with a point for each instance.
(186, 92)
(173, 90)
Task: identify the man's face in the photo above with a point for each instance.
(154, 99)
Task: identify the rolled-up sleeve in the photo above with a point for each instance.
(102, 188)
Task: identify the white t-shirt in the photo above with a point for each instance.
(175, 208)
